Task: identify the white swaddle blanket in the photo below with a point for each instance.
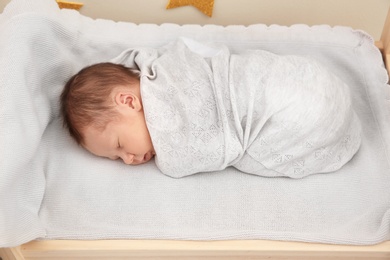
(207, 109)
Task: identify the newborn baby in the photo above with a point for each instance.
(202, 109)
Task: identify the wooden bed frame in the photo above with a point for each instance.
(227, 249)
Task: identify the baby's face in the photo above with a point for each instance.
(126, 138)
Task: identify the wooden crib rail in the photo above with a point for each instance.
(384, 43)
(169, 249)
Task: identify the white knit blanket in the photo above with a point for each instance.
(207, 109)
(50, 188)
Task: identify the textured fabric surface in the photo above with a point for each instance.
(51, 188)
(262, 113)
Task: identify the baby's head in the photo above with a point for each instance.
(102, 109)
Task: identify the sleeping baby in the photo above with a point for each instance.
(200, 108)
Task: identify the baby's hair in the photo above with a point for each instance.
(85, 99)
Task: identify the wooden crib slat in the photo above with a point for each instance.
(13, 253)
(384, 44)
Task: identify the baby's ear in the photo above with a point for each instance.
(128, 99)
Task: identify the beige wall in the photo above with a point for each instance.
(368, 15)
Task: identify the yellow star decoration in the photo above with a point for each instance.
(69, 5)
(205, 6)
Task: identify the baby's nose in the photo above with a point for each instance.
(128, 158)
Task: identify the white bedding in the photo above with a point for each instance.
(51, 188)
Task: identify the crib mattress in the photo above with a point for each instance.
(60, 191)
